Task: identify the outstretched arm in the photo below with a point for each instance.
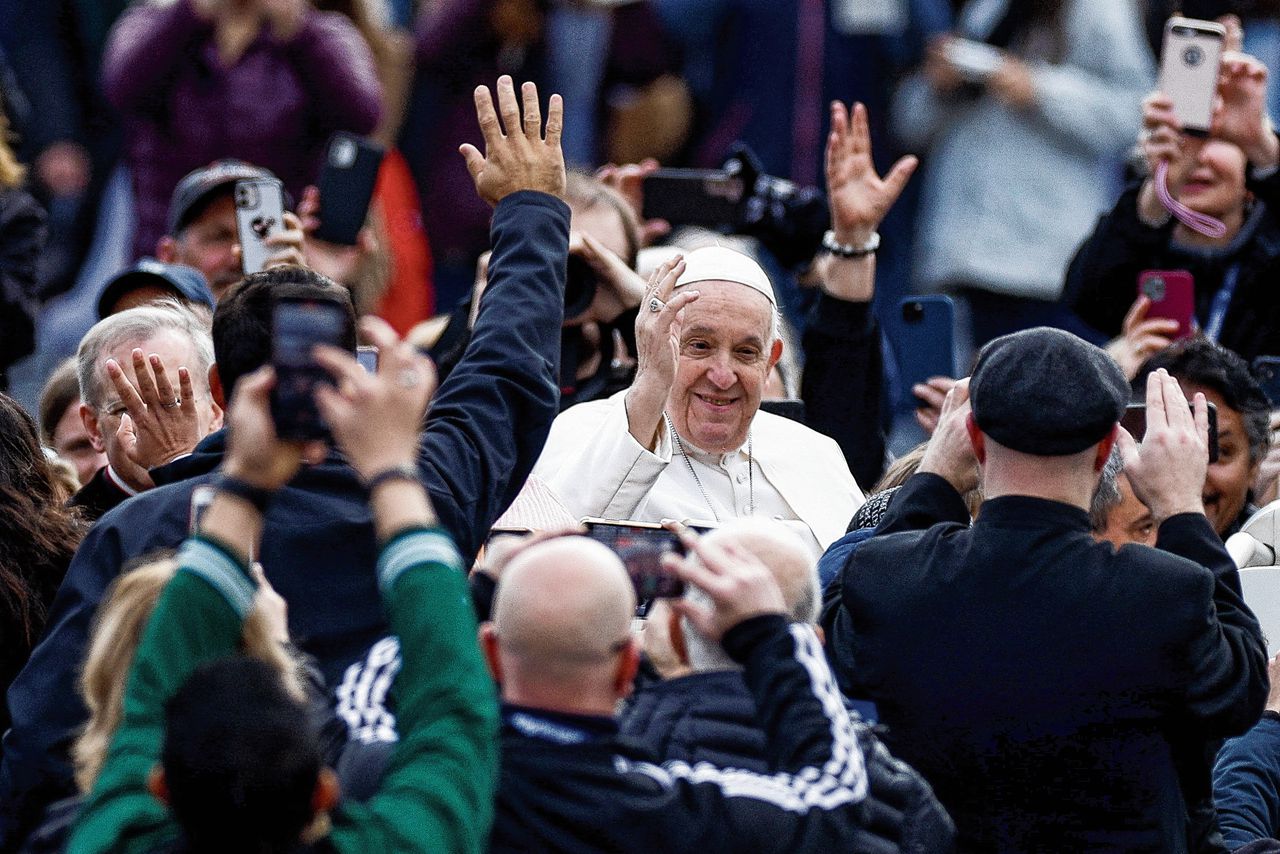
(492, 415)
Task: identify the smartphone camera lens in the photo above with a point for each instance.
(912, 312)
(1154, 288)
(343, 153)
(1192, 56)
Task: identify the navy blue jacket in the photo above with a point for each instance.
(1246, 784)
(487, 425)
(1047, 685)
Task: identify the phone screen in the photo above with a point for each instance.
(641, 549)
(298, 326)
(1135, 421)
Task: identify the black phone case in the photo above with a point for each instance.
(346, 186)
(702, 197)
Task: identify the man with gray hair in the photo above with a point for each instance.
(701, 710)
(144, 387)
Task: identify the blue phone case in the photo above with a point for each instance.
(926, 340)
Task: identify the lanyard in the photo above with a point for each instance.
(1221, 302)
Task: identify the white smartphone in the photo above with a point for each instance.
(259, 214)
(1189, 64)
(973, 61)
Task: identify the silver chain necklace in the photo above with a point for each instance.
(751, 472)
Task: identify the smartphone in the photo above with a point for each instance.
(346, 185)
(1173, 297)
(926, 339)
(641, 547)
(1135, 421)
(1189, 63)
(259, 215)
(367, 356)
(711, 198)
(1266, 370)
(791, 408)
(201, 498)
(298, 325)
(975, 62)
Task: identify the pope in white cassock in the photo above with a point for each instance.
(688, 439)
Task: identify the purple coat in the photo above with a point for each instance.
(275, 107)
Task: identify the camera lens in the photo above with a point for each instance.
(580, 286)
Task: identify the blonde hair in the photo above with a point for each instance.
(113, 641)
(12, 172)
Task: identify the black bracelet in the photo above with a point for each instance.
(404, 471)
(258, 496)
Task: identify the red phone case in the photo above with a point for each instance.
(1173, 297)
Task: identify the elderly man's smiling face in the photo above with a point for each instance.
(726, 349)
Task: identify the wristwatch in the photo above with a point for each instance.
(848, 250)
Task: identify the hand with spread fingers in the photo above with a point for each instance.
(737, 583)
(1240, 115)
(658, 327)
(162, 423)
(859, 197)
(376, 419)
(517, 155)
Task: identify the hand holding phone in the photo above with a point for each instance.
(259, 216)
(1173, 297)
(298, 325)
(641, 546)
(1135, 421)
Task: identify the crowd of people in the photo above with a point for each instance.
(570, 528)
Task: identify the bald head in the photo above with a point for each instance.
(786, 556)
(561, 616)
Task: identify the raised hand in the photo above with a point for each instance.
(859, 197)
(520, 158)
(950, 451)
(162, 424)
(376, 419)
(628, 180)
(1167, 471)
(1240, 116)
(658, 350)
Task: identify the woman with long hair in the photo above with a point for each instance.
(38, 536)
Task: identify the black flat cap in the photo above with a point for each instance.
(1046, 392)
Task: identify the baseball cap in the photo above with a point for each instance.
(187, 282)
(196, 187)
